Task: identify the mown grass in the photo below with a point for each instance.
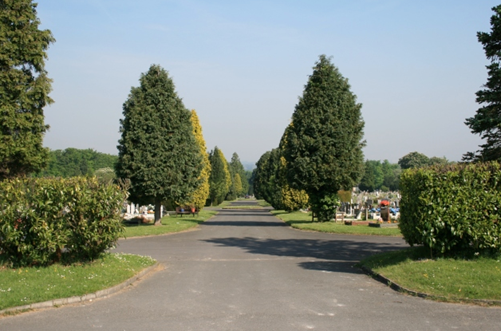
(263, 203)
(243, 207)
(302, 221)
(170, 224)
(446, 279)
(23, 286)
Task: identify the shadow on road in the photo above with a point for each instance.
(243, 223)
(336, 255)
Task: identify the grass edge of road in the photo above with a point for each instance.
(93, 276)
(22, 287)
(302, 221)
(474, 280)
(411, 270)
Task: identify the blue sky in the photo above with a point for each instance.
(414, 65)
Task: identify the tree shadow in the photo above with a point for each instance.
(243, 223)
(334, 255)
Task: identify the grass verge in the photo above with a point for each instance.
(242, 207)
(263, 203)
(23, 286)
(444, 279)
(302, 221)
(170, 224)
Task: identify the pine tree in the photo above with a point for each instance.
(158, 151)
(487, 120)
(24, 89)
(324, 143)
(220, 179)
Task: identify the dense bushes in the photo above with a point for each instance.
(452, 209)
(43, 221)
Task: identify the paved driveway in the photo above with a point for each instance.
(246, 270)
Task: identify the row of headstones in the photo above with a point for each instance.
(136, 209)
(352, 208)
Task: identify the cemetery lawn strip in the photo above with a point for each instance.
(263, 203)
(23, 286)
(170, 224)
(302, 221)
(444, 279)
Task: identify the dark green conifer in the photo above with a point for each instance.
(237, 168)
(24, 89)
(324, 143)
(157, 150)
(487, 120)
(220, 178)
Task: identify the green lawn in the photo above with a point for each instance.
(263, 203)
(19, 287)
(23, 286)
(443, 278)
(170, 224)
(302, 221)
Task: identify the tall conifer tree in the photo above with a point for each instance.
(158, 151)
(24, 89)
(323, 149)
(487, 120)
(238, 169)
(220, 179)
(201, 194)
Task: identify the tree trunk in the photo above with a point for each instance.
(158, 217)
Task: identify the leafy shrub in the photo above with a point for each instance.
(45, 220)
(452, 209)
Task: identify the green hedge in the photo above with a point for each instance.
(452, 209)
(43, 221)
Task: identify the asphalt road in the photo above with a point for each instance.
(246, 270)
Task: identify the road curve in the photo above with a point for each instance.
(246, 270)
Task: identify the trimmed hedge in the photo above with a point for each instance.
(452, 209)
(43, 221)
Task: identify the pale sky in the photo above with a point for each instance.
(414, 65)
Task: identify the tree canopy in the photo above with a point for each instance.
(199, 197)
(487, 120)
(77, 162)
(157, 150)
(220, 178)
(323, 147)
(24, 89)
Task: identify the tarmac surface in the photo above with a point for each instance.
(246, 270)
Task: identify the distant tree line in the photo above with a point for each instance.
(73, 162)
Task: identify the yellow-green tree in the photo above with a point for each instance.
(292, 199)
(201, 194)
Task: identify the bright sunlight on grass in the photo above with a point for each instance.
(23, 286)
(170, 224)
(302, 221)
(444, 278)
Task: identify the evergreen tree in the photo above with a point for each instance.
(487, 120)
(324, 143)
(290, 198)
(268, 184)
(201, 194)
(24, 89)
(219, 180)
(249, 176)
(238, 168)
(260, 178)
(157, 150)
